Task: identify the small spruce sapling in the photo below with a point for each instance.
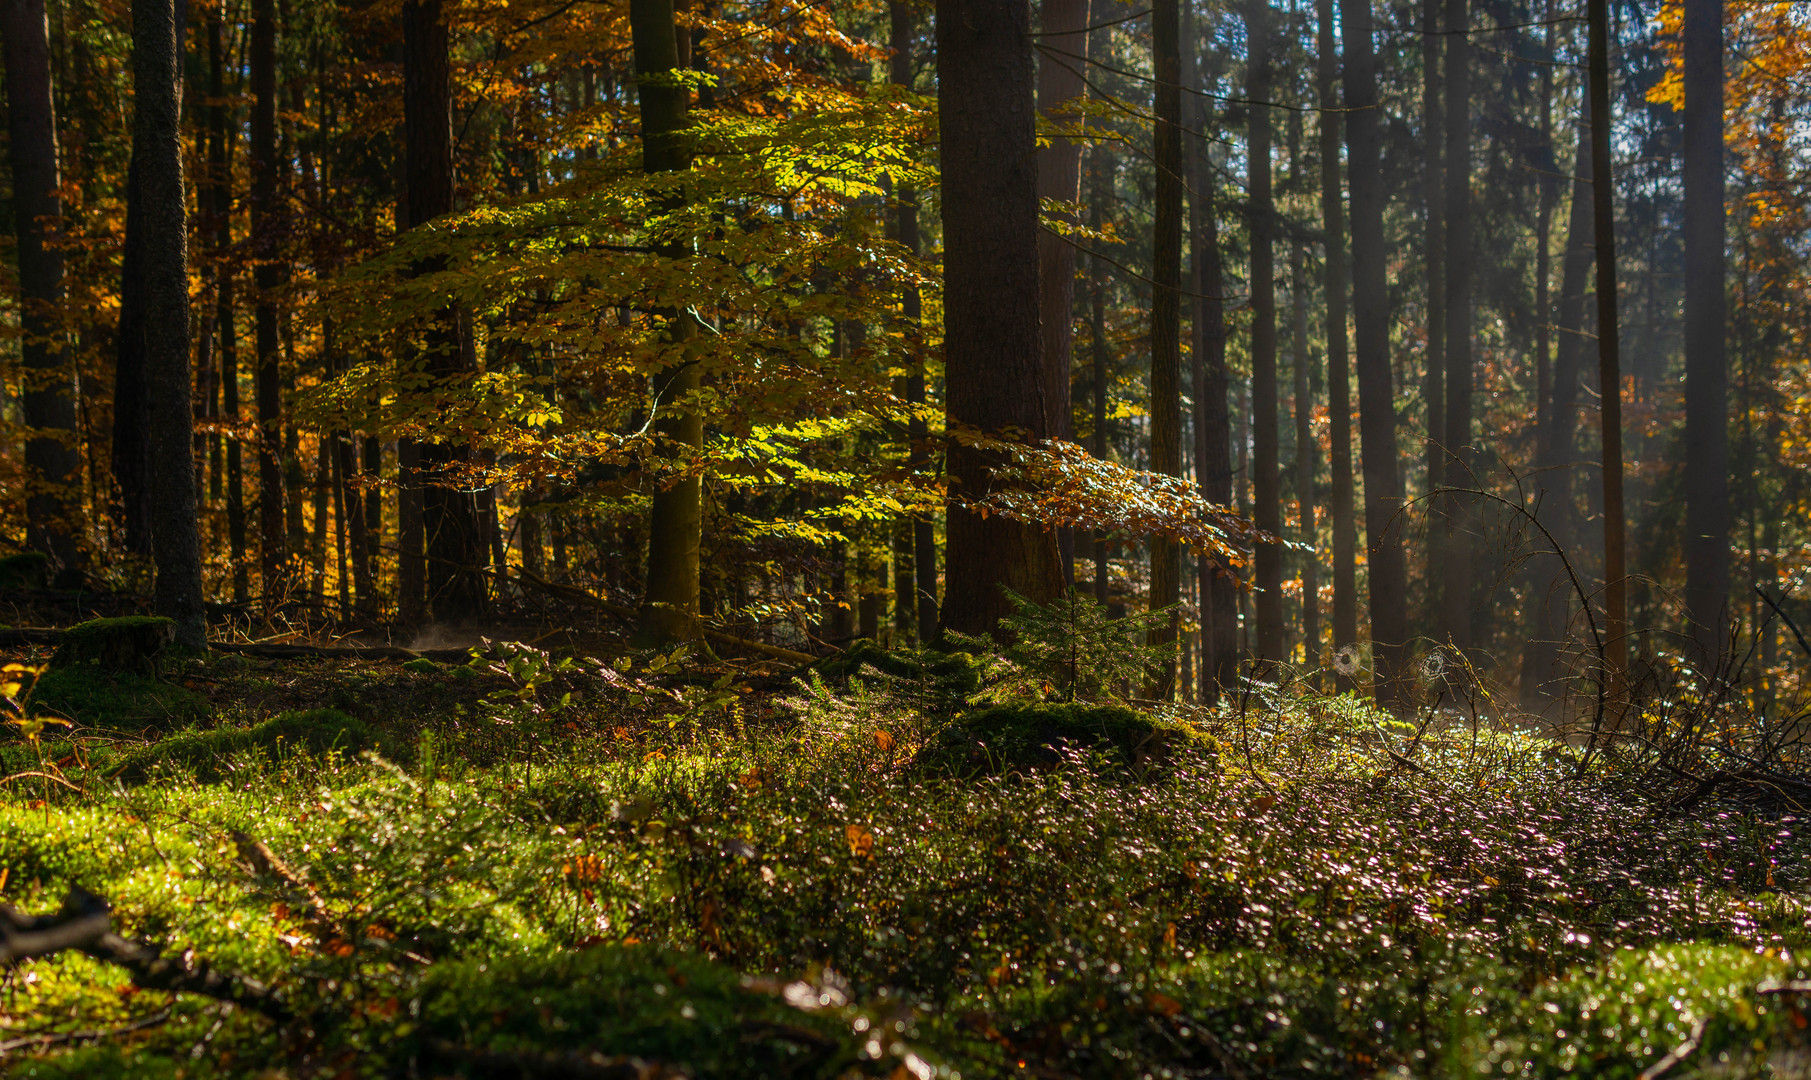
(1067, 650)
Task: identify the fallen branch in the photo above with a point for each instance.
(339, 652)
(31, 635)
(84, 924)
(96, 1035)
(580, 596)
(1678, 1053)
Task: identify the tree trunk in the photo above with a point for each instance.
(1064, 34)
(904, 24)
(993, 368)
(1100, 192)
(1266, 495)
(453, 541)
(1306, 450)
(267, 276)
(1166, 319)
(1218, 595)
(1339, 388)
(157, 148)
(1433, 385)
(1456, 568)
(1706, 366)
(53, 505)
(1609, 364)
(670, 607)
(131, 395)
(1371, 311)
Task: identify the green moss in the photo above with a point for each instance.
(421, 665)
(1012, 737)
(131, 644)
(89, 695)
(26, 570)
(208, 753)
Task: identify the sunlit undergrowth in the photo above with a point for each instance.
(529, 866)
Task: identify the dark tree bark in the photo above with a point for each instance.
(1339, 388)
(1609, 363)
(157, 148)
(1266, 494)
(226, 332)
(1219, 595)
(131, 459)
(1541, 660)
(1166, 317)
(1101, 190)
(453, 535)
(1456, 568)
(1433, 385)
(1064, 34)
(1371, 315)
(1706, 366)
(670, 606)
(905, 222)
(993, 369)
(268, 277)
(1306, 451)
(53, 507)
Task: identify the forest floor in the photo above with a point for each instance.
(665, 864)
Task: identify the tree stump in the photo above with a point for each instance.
(134, 644)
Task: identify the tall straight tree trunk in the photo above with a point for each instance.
(1456, 568)
(267, 276)
(1433, 383)
(1706, 365)
(1060, 84)
(1609, 363)
(1100, 192)
(132, 448)
(454, 540)
(226, 332)
(1266, 494)
(1339, 388)
(1166, 318)
(1540, 646)
(1306, 451)
(53, 505)
(670, 605)
(905, 223)
(157, 148)
(993, 369)
(1219, 595)
(1371, 324)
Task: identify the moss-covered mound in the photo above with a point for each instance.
(131, 645)
(209, 754)
(1018, 736)
(96, 698)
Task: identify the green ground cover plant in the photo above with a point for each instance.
(664, 862)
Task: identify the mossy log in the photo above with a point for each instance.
(133, 644)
